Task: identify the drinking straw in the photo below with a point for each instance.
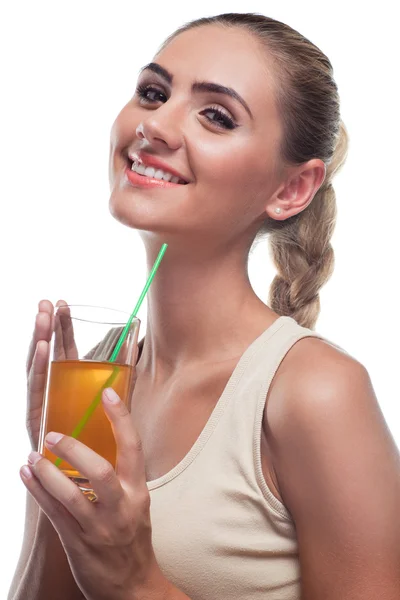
(78, 429)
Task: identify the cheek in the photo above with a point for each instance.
(218, 161)
(230, 168)
(121, 135)
(234, 180)
(121, 129)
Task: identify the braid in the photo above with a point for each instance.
(302, 253)
(303, 256)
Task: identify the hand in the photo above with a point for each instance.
(38, 358)
(108, 542)
(36, 366)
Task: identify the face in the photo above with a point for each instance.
(222, 140)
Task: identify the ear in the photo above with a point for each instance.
(297, 191)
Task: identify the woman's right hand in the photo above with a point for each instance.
(36, 369)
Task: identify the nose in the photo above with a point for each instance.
(162, 129)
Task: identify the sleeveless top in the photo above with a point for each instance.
(218, 531)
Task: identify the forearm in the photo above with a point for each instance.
(43, 571)
(31, 519)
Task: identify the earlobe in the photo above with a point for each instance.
(277, 213)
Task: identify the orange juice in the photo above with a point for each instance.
(71, 388)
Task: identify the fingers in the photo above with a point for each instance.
(70, 349)
(94, 467)
(59, 351)
(42, 330)
(130, 458)
(62, 519)
(36, 385)
(44, 325)
(36, 368)
(64, 340)
(39, 355)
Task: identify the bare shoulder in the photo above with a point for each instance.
(309, 362)
(314, 352)
(312, 370)
(338, 470)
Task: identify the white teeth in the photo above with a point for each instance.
(155, 173)
(149, 172)
(138, 168)
(158, 174)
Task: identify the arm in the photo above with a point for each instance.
(43, 569)
(31, 517)
(339, 474)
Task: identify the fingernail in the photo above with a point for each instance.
(34, 457)
(26, 472)
(111, 396)
(53, 438)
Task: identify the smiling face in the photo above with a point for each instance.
(222, 142)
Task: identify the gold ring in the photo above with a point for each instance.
(90, 495)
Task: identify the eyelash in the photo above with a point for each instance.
(224, 123)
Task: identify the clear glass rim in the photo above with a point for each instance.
(95, 307)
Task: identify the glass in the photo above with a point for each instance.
(82, 342)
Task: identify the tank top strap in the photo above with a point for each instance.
(241, 424)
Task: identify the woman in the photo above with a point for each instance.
(260, 444)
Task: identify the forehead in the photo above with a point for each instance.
(229, 56)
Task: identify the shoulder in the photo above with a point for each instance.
(338, 470)
(312, 369)
(314, 377)
(321, 392)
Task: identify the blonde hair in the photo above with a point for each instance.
(308, 103)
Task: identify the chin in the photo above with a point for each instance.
(129, 211)
(133, 211)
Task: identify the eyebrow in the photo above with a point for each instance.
(199, 86)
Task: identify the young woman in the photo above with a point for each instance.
(255, 463)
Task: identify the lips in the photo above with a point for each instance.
(149, 160)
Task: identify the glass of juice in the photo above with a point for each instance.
(82, 344)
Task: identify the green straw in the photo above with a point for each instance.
(78, 429)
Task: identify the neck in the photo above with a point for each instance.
(199, 311)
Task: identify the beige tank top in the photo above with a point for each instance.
(218, 531)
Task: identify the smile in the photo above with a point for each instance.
(151, 177)
(153, 173)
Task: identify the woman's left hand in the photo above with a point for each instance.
(107, 542)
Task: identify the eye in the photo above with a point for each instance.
(147, 92)
(219, 118)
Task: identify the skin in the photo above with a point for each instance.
(236, 181)
(324, 437)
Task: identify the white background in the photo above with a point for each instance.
(67, 69)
